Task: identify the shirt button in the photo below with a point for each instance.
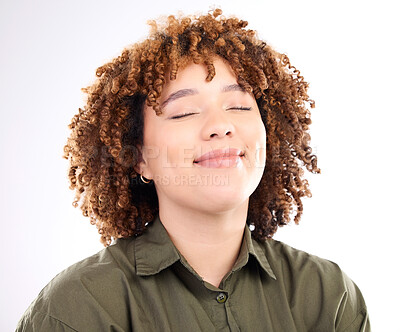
(221, 298)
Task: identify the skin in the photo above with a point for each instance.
(204, 209)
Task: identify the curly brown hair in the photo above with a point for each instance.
(105, 135)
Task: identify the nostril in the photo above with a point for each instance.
(226, 133)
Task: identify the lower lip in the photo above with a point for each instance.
(225, 162)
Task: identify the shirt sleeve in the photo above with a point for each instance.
(35, 321)
(361, 323)
(352, 314)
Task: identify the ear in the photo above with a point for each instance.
(142, 166)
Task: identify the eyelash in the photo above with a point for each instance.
(241, 108)
(181, 115)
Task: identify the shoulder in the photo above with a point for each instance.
(287, 259)
(95, 283)
(309, 279)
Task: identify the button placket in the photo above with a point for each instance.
(221, 298)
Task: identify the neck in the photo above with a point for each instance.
(209, 242)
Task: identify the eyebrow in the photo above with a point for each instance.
(233, 87)
(190, 92)
(179, 94)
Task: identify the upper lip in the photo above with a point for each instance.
(219, 153)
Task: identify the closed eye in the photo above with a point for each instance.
(240, 108)
(181, 115)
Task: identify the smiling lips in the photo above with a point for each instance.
(221, 158)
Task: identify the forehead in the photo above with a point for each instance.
(193, 74)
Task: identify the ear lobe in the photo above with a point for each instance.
(141, 165)
(139, 160)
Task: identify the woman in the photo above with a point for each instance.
(189, 155)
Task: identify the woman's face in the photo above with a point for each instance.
(200, 117)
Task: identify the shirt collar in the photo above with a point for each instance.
(251, 246)
(154, 251)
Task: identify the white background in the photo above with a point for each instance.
(347, 50)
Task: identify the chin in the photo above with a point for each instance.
(223, 199)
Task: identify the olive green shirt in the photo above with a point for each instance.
(144, 284)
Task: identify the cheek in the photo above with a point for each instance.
(173, 147)
(257, 143)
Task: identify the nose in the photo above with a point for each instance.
(218, 124)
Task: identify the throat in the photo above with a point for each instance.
(211, 262)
